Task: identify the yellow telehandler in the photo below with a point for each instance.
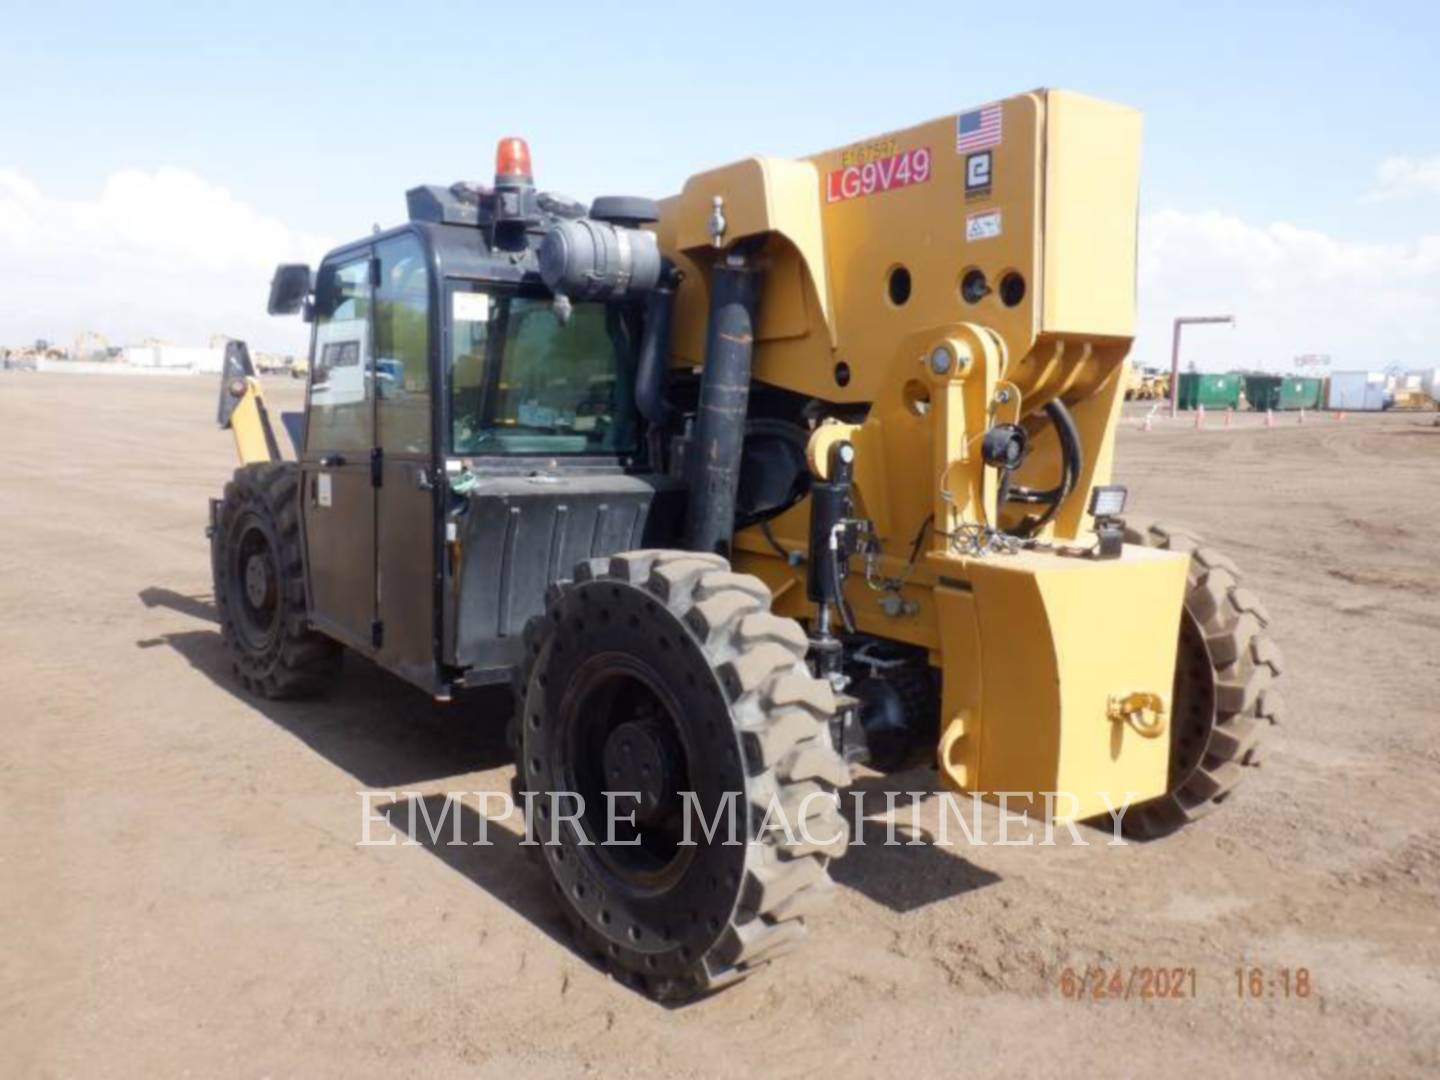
(805, 467)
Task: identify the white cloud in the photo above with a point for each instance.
(168, 254)
(162, 253)
(1292, 291)
(1402, 176)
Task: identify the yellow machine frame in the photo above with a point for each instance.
(1057, 666)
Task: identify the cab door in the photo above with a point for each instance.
(337, 490)
(406, 499)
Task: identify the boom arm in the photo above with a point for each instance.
(242, 408)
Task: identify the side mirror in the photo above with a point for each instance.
(289, 288)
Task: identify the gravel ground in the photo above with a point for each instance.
(182, 893)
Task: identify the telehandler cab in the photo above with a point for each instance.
(805, 467)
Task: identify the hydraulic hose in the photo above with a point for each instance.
(1072, 458)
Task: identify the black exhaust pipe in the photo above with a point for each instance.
(651, 369)
(714, 468)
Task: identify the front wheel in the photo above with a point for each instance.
(684, 782)
(260, 586)
(1224, 696)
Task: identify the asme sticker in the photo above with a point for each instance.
(886, 174)
(984, 226)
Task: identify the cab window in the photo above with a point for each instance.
(402, 346)
(524, 382)
(340, 416)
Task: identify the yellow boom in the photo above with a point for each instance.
(242, 408)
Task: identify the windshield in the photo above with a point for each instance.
(522, 382)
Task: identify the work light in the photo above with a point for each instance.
(1108, 501)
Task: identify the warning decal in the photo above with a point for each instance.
(984, 226)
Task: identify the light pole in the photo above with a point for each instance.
(1175, 354)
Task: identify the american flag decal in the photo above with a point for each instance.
(977, 130)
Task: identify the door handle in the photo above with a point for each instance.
(332, 461)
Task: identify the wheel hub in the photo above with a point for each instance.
(257, 580)
(640, 756)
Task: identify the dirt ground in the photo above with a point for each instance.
(181, 890)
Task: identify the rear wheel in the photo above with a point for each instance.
(666, 675)
(260, 586)
(1224, 694)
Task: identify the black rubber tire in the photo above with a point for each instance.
(287, 659)
(1225, 694)
(752, 719)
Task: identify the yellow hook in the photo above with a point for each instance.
(1142, 710)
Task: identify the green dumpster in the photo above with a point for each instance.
(1299, 392)
(1263, 391)
(1211, 391)
(1282, 392)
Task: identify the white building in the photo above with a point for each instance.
(198, 358)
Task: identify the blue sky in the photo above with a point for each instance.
(315, 118)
